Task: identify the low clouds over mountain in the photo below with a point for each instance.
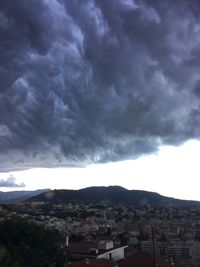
(96, 81)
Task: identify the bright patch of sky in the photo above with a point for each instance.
(172, 171)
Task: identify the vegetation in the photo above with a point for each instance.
(25, 244)
(112, 194)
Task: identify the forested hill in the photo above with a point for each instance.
(114, 194)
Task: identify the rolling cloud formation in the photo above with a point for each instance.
(87, 81)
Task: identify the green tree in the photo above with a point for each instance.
(25, 244)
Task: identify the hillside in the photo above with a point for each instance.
(16, 196)
(114, 194)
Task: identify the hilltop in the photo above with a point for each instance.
(113, 194)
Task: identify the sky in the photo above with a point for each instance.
(100, 92)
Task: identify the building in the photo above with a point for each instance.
(144, 259)
(92, 263)
(101, 250)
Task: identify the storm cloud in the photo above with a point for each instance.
(88, 81)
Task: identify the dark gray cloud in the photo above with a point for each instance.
(10, 182)
(95, 81)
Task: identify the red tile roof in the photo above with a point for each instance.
(92, 263)
(142, 259)
(81, 247)
(86, 248)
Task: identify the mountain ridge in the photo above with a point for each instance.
(113, 194)
(21, 195)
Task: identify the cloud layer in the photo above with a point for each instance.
(96, 81)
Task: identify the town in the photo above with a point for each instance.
(116, 232)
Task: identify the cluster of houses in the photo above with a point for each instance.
(105, 254)
(172, 233)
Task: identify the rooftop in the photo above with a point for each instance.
(87, 248)
(92, 263)
(143, 259)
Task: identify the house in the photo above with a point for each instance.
(144, 259)
(101, 250)
(92, 263)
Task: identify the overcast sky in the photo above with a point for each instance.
(104, 82)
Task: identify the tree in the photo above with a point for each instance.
(27, 244)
